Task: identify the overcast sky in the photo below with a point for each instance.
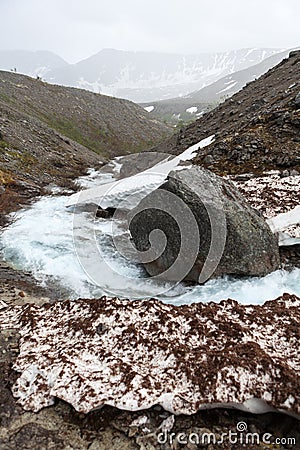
(76, 29)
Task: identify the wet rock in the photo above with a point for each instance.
(244, 176)
(209, 159)
(38, 436)
(105, 213)
(209, 229)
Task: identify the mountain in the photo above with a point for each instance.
(144, 76)
(51, 134)
(195, 104)
(30, 63)
(257, 129)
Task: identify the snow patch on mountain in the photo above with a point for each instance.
(192, 109)
(149, 108)
(227, 88)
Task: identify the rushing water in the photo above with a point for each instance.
(41, 240)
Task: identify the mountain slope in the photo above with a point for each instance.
(255, 130)
(145, 76)
(30, 63)
(106, 125)
(196, 103)
(51, 134)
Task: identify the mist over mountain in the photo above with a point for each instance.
(30, 63)
(143, 76)
(138, 76)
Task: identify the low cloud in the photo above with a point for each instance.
(76, 29)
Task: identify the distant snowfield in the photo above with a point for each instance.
(142, 77)
(192, 109)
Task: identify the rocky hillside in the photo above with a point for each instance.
(105, 125)
(51, 134)
(255, 130)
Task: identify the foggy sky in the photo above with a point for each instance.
(76, 29)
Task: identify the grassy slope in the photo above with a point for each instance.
(106, 125)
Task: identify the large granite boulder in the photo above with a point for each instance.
(197, 226)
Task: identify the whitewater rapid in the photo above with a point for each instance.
(40, 240)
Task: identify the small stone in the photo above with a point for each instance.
(285, 173)
(101, 328)
(209, 159)
(297, 100)
(253, 428)
(132, 431)
(22, 294)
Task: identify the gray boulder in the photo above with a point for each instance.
(197, 226)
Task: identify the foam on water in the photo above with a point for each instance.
(41, 241)
(247, 290)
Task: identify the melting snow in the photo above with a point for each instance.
(133, 355)
(149, 108)
(192, 109)
(285, 220)
(148, 180)
(228, 87)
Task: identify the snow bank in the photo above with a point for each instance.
(133, 355)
